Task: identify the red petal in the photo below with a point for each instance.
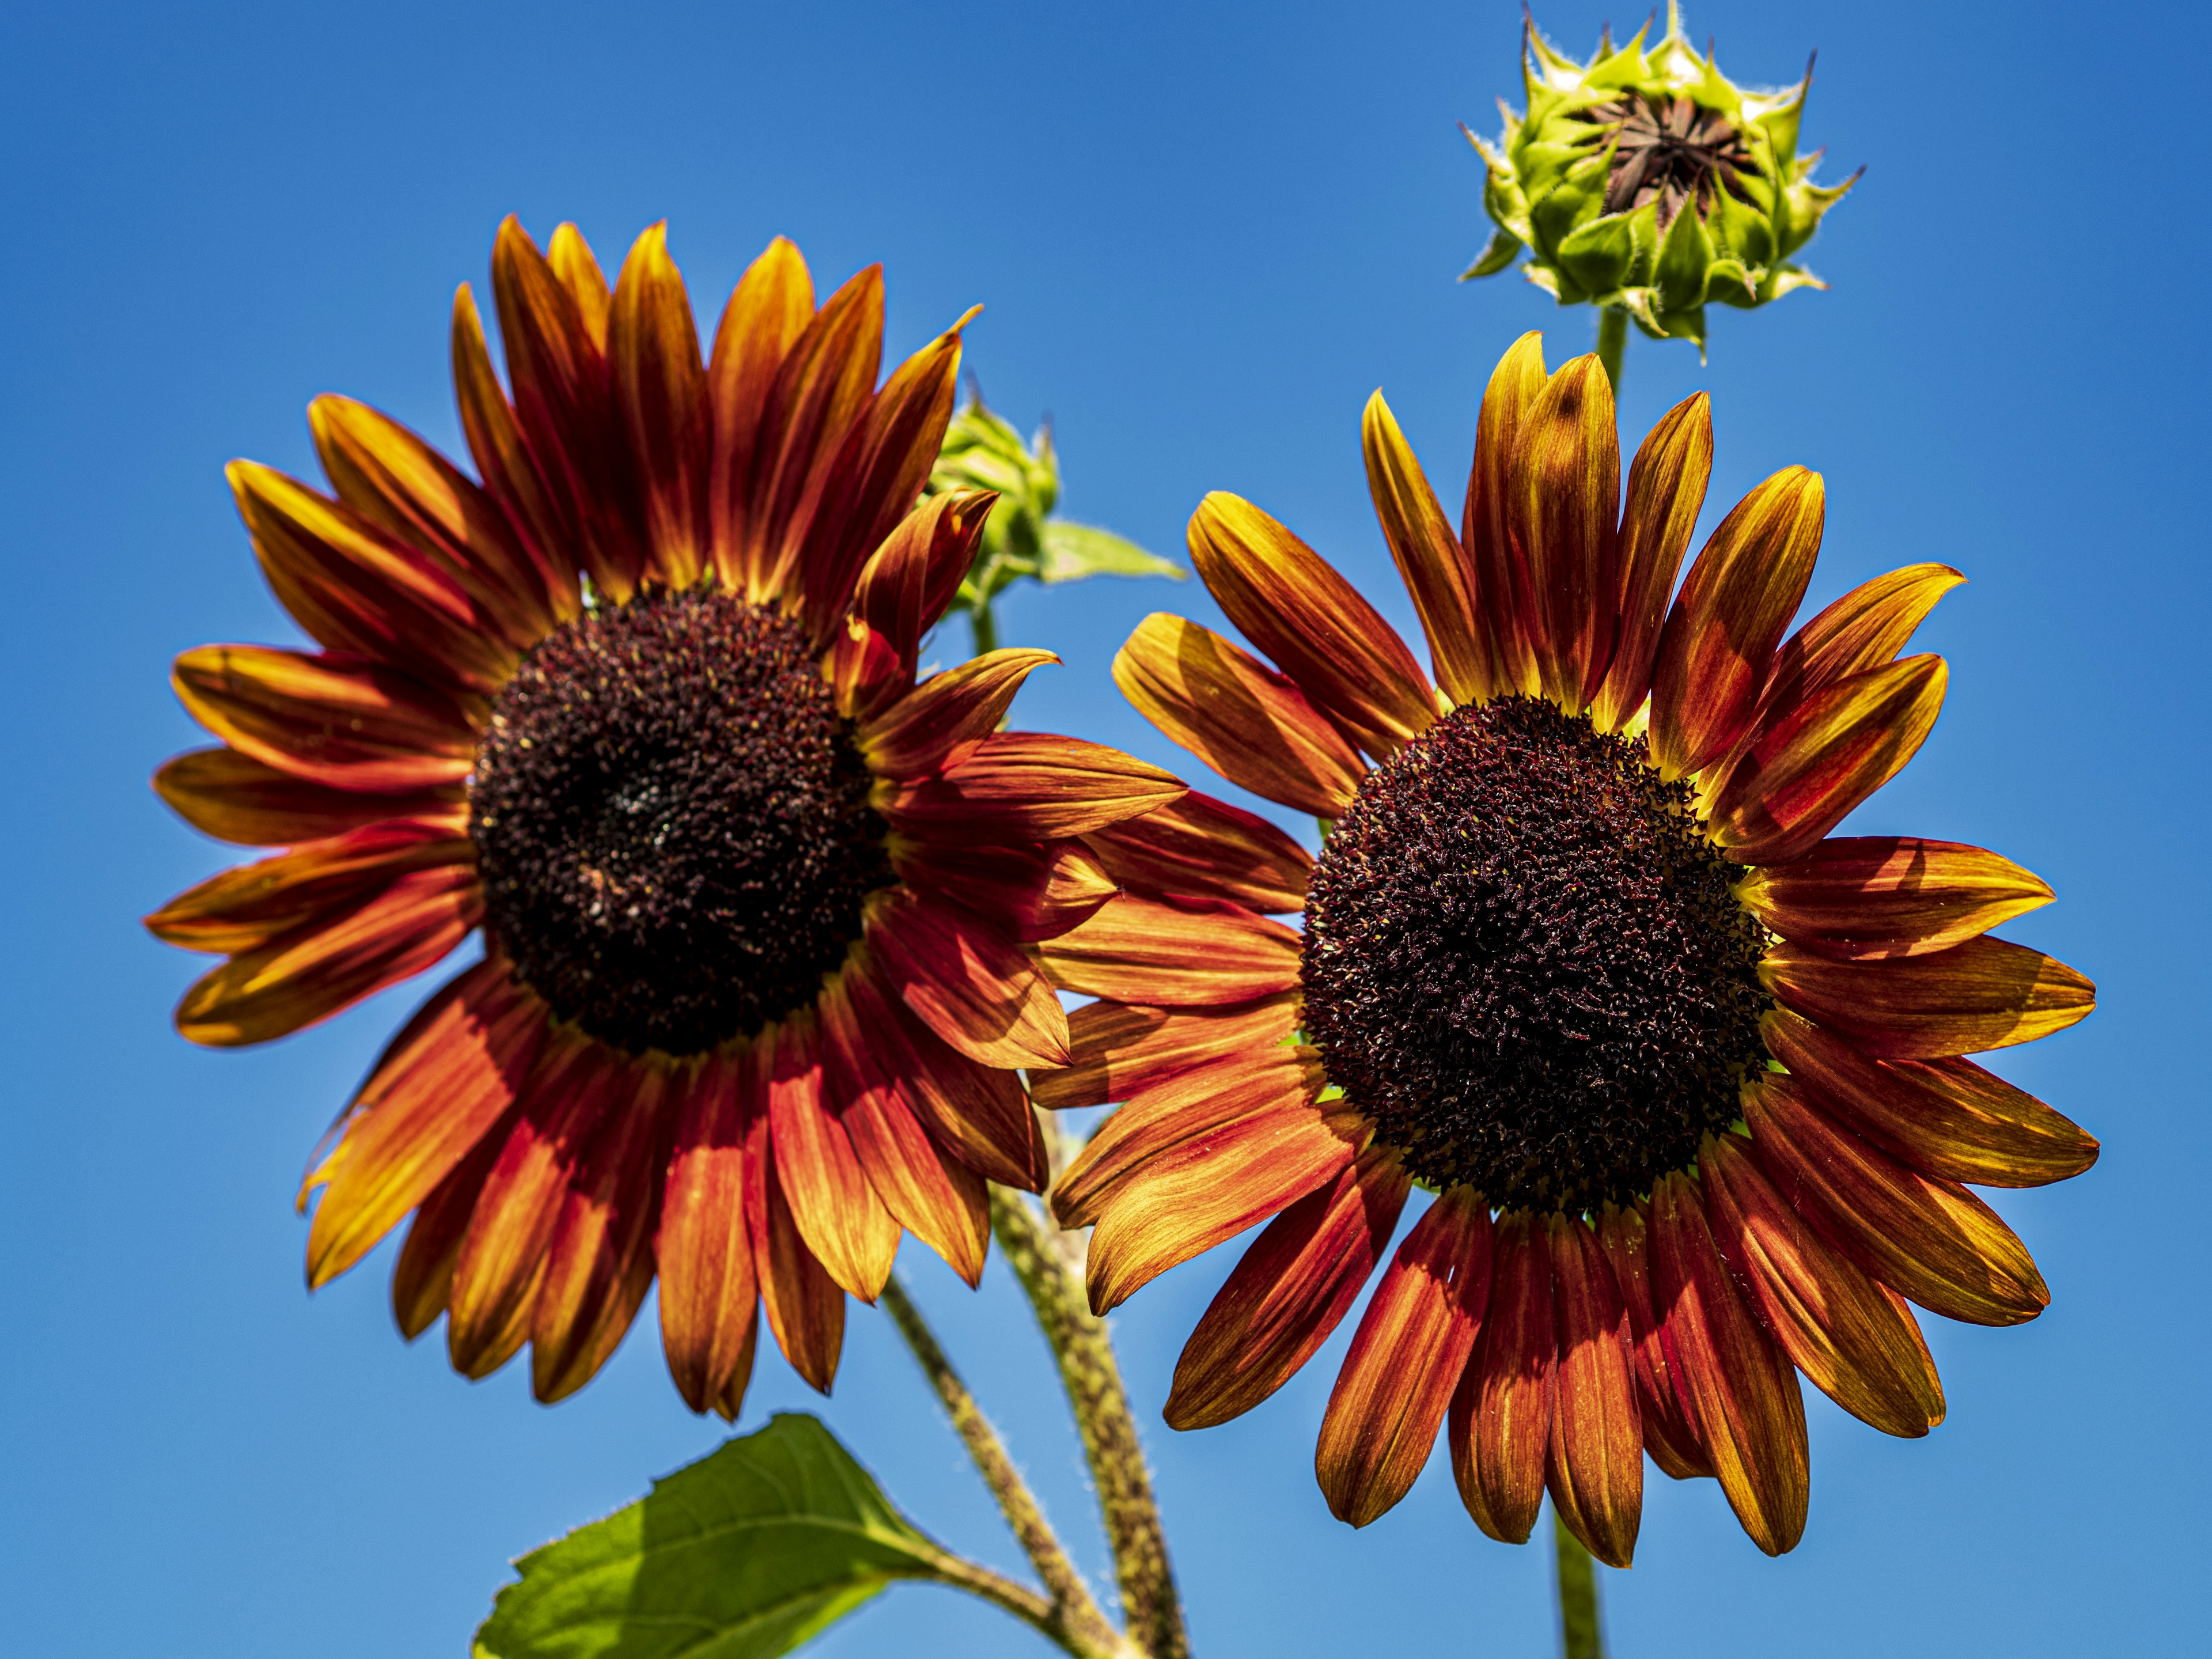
(1595, 1471)
(511, 474)
(910, 579)
(1202, 849)
(973, 986)
(1146, 949)
(1665, 489)
(1889, 896)
(914, 736)
(235, 798)
(1120, 1049)
(1662, 1399)
(806, 1308)
(767, 312)
(836, 1211)
(1562, 505)
(1027, 893)
(1501, 1413)
(1983, 994)
(660, 392)
(252, 904)
(1436, 570)
(1507, 598)
(1026, 785)
(422, 1279)
(709, 1291)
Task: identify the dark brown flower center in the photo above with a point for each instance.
(672, 821)
(1525, 961)
(1669, 151)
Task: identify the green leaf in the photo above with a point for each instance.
(742, 1555)
(1504, 248)
(1072, 551)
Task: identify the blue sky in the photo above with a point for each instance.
(1204, 235)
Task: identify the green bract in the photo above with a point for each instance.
(1593, 179)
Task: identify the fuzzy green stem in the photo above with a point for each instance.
(1048, 1263)
(1580, 1637)
(985, 626)
(1612, 344)
(1072, 1619)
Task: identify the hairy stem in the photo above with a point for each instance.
(1071, 1617)
(985, 626)
(1612, 344)
(1579, 1635)
(1048, 1262)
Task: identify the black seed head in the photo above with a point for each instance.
(673, 823)
(1669, 151)
(1524, 962)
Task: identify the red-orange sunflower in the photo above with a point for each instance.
(640, 703)
(1578, 956)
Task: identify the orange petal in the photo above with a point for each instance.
(1190, 1107)
(907, 584)
(565, 405)
(438, 1089)
(806, 1308)
(1665, 489)
(407, 490)
(974, 987)
(933, 1195)
(1202, 849)
(1501, 1413)
(1434, 568)
(423, 1279)
(1298, 1279)
(1027, 893)
(354, 588)
(1120, 1049)
(660, 392)
(578, 269)
(1717, 648)
(1244, 719)
(1406, 1359)
(913, 735)
(1662, 1400)
(837, 1213)
(1595, 1468)
(707, 1289)
(731, 1401)
(1740, 1388)
(1932, 1240)
(1983, 994)
(575, 1087)
(821, 389)
(1563, 502)
(1183, 1201)
(1946, 1118)
(976, 1112)
(1854, 1339)
(1292, 604)
(600, 1265)
(248, 906)
(1507, 599)
(1803, 773)
(1889, 896)
(1026, 786)
(510, 472)
(324, 966)
(878, 476)
(235, 798)
(1139, 948)
(767, 312)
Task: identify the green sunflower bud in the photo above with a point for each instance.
(1647, 181)
(1023, 539)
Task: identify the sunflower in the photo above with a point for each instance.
(641, 704)
(1684, 1072)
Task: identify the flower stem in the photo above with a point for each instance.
(985, 626)
(1579, 1635)
(1612, 344)
(1072, 1620)
(1048, 1262)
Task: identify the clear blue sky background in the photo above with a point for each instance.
(1204, 235)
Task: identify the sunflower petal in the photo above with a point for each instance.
(1932, 1240)
(1803, 773)
(1120, 1049)
(909, 581)
(1312, 623)
(1507, 598)
(1202, 849)
(1662, 1401)
(768, 311)
(511, 474)
(238, 799)
(837, 1213)
(1406, 1359)
(806, 1308)
(1502, 1410)
(1026, 786)
(1666, 489)
(1028, 893)
(916, 734)
(423, 1278)
(709, 1292)
(1947, 1118)
(1717, 648)
(248, 905)
(1865, 628)
(577, 269)
(1562, 507)
(1136, 947)
(1249, 723)
(1595, 1469)
(1299, 1277)
(660, 394)
(1853, 897)
(1741, 1389)
(970, 985)
(1431, 562)
(1983, 994)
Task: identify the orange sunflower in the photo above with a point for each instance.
(641, 705)
(1579, 956)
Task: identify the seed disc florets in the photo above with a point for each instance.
(1525, 963)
